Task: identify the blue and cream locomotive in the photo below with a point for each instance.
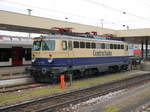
(53, 55)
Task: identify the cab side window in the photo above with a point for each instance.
(122, 46)
(82, 44)
(70, 47)
(103, 46)
(119, 46)
(126, 48)
(93, 45)
(88, 45)
(98, 45)
(76, 44)
(107, 46)
(111, 46)
(115, 46)
(64, 45)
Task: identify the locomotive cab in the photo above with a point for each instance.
(42, 49)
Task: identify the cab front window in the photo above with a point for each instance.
(36, 45)
(48, 45)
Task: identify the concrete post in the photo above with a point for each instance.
(142, 49)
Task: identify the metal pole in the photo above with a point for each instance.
(70, 74)
(29, 13)
(142, 49)
(102, 22)
(70, 78)
(146, 48)
(127, 27)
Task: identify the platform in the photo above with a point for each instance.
(145, 66)
(14, 82)
(12, 72)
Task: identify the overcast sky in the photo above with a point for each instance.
(113, 14)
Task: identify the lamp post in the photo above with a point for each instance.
(102, 20)
(66, 20)
(29, 13)
(126, 26)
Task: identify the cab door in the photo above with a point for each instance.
(17, 56)
(67, 52)
(70, 53)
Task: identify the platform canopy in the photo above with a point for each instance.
(25, 23)
(134, 33)
(11, 21)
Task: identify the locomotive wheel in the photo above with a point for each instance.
(95, 71)
(35, 79)
(76, 74)
(88, 73)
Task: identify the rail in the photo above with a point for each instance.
(21, 87)
(12, 72)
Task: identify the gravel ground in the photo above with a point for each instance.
(127, 100)
(92, 102)
(143, 108)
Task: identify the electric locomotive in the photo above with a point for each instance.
(54, 55)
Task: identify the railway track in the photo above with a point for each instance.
(20, 87)
(57, 102)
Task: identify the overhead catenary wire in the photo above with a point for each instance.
(145, 2)
(118, 10)
(76, 17)
(45, 9)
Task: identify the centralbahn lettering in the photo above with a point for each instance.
(102, 53)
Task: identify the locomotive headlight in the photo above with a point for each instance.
(50, 60)
(33, 60)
